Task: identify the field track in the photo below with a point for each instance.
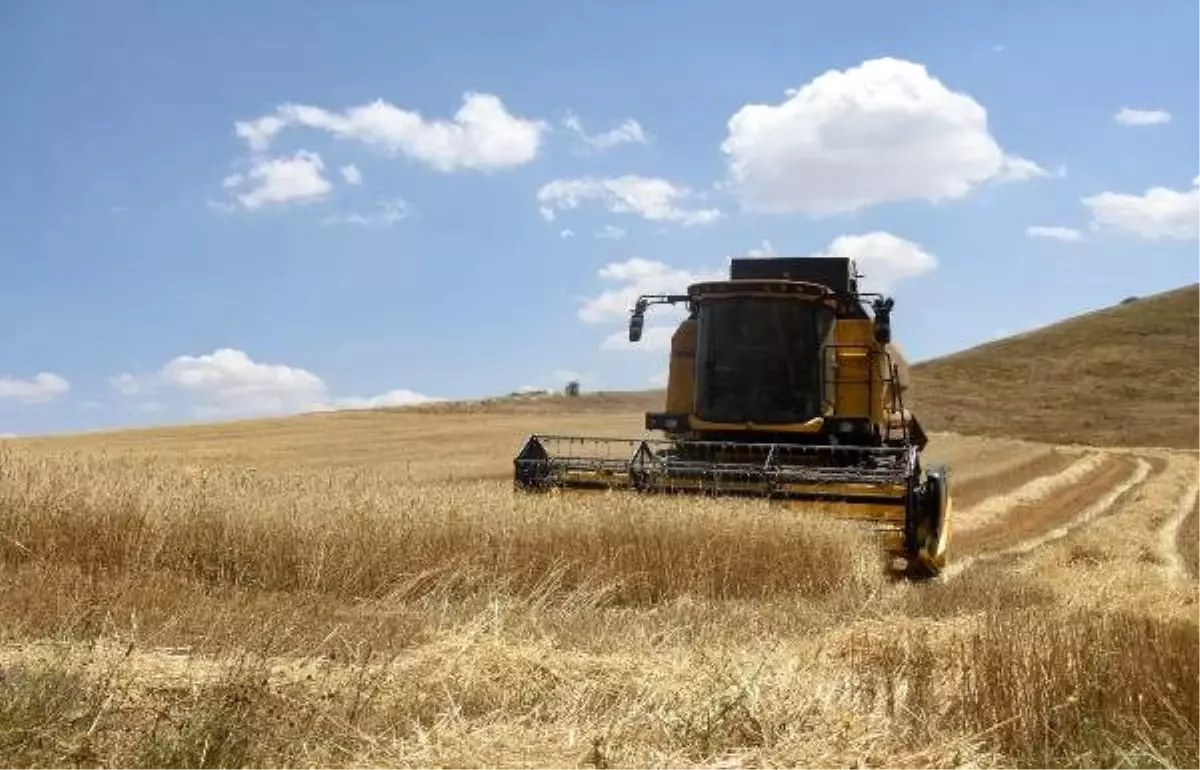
(1177, 538)
(1035, 524)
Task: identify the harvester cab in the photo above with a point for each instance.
(783, 386)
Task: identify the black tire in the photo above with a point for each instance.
(927, 527)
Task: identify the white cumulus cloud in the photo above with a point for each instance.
(1128, 116)
(42, 388)
(483, 135)
(1158, 213)
(629, 131)
(228, 382)
(883, 259)
(398, 397)
(884, 130)
(654, 199)
(1054, 232)
(281, 180)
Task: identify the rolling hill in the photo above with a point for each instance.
(1120, 376)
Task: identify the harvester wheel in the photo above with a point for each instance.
(930, 531)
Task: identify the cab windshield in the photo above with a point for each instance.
(759, 359)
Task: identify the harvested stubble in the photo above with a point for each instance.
(1014, 689)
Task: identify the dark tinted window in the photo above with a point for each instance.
(759, 359)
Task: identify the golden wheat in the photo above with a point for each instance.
(168, 608)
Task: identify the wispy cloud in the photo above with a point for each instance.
(628, 132)
(1128, 116)
(611, 232)
(388, 213)
(651, 198)
(351, 174)
(1054, 232)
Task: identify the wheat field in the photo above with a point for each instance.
(366, 589)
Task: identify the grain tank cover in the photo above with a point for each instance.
(837, 273)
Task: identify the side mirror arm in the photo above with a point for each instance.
(637, 319)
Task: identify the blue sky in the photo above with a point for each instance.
(414, 203)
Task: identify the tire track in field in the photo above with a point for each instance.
(1051, 519)
(1057, 474)
(1171, 545)
(976, 489)
(1042, 512)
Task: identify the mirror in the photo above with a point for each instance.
(883, 320)
(883, 331)
(636, 321)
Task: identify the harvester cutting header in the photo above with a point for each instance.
(781, 385)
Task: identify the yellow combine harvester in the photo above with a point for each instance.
(781, 386)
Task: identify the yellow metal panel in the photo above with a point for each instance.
(679, 376)
(853, 339)
(863, 384)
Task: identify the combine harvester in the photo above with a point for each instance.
(781, 386)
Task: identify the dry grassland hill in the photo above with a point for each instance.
(1121, 376)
